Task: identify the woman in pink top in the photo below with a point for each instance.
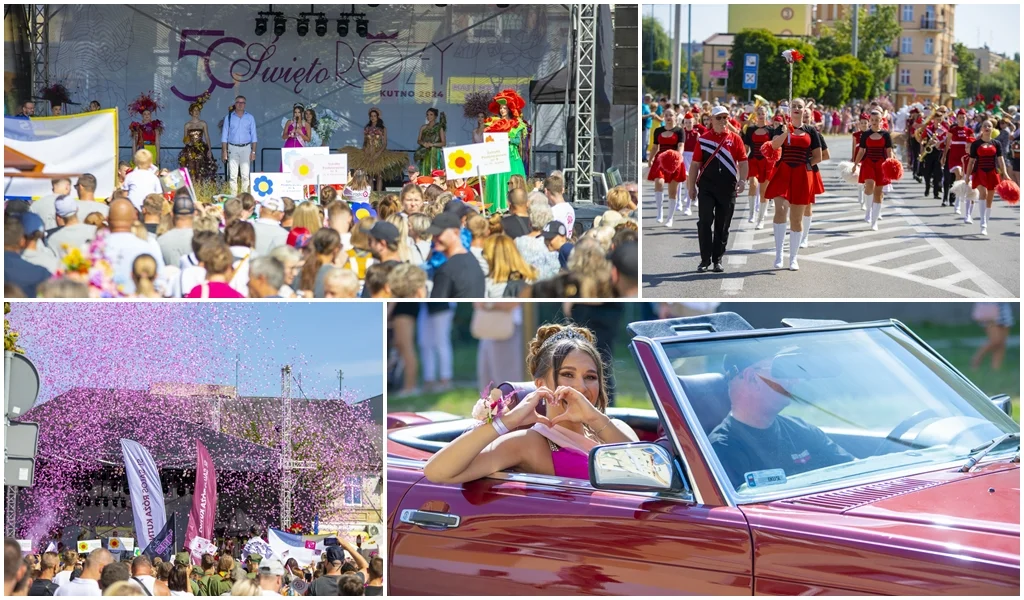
(570, 380)
(216, 257)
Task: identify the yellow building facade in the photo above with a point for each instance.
(780, 19)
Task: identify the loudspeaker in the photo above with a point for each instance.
(626, 70)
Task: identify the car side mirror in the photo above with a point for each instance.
(634, 466)
(1003, 403)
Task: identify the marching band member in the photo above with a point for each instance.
(983, 169)
(667, 137)
(690, 140)
(913, 146)
(760, 170)
(954, 154)
(862, 126)
(791, 183)
(933, 136)
(875, 147)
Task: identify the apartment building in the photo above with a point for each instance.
(924, 49)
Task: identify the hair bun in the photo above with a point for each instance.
(545, 333)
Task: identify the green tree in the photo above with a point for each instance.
(875, 33)
(809, 76)
(10, 335)
(656, 43)
(1004, 81)
(968, 76)
(848, 79)
(659, 80)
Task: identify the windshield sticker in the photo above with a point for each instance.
(766, 477)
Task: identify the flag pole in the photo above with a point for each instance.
(483, 194)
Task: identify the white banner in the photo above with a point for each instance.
(331, 169)
(120, 544)
(488, 158)
(199, 546)
(287, 545)
(290, 155)
(276, 185)
(85, 546)
(69, 145)
(145, 490)
(26, 546)
(256, 545)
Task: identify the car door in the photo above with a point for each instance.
(523, 534)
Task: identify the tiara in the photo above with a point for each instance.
(568, 333)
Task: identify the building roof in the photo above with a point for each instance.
(720, 39)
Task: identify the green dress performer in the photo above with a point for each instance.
(430, 155)
(508, 106)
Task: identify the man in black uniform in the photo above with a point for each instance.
(754, 439)
(719, 171)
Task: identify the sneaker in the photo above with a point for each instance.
(687, 212)
(718, 267)
(703, 267)
(760, 225)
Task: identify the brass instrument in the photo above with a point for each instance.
(929, 145)
(919, 132)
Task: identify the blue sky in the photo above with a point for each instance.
(128, 345)
(998, 24)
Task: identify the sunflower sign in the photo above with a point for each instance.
(488, 158)
(85, 546)
(291, 156)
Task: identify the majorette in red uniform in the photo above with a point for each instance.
(958, 142)
(666, 137)
(792, 181)
(817, 185)
(875, 147)
(760, 168)
(986, 161)
(691, 137)
(862, 126)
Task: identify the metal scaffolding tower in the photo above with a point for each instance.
(39, 34)
(11, 512)
(289, 466)
(585, 21)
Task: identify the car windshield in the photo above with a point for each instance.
(802, 409)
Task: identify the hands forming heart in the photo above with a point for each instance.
(525, 413)
(575, 407)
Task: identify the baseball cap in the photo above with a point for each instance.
(272, 567)
(299, 237)
(183, 205)
(458, 207)
(625, 258)
(385, 232)
(553, 229)
(719, 110)
(182, 558)
(32, 223)
(274, 204)
(65, 206)
(445, 220)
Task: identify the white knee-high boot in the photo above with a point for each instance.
(869, 210)
(794, 248)
(658, 197)
(985, 212)
(780, 239)
(672, 203)
(751, 208)
(860, 197)
(968, 210)
(806, 232)
(876, 212)
(761, 210)
(958, 205)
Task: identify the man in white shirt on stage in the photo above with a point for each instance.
(238, 144)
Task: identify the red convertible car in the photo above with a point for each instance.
(912, 487)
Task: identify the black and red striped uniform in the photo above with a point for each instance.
(960, 142)
(792, 179)
(666, 139)
(874, 155)
(985, 173)
(817, 185)
(753, 138)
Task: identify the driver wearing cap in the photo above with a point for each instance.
(754, 439)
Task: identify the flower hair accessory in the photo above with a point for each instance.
(492, 407)
(143, 103)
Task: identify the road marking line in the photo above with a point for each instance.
(956, 277)
(744, 240)
(924, 264)
(732, 287)
(733, 260)
(892, 255)
(857, 247)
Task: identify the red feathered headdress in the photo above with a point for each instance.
(510, 98)
(143, 103)
(55, 94)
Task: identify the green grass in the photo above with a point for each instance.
(949, 341)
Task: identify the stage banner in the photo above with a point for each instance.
(68, 145)
(332, 169)
(290, 545)
(204, 500)
(145, 490)
(162, 544)
(86, 546)
(276, 185)
(488, 158)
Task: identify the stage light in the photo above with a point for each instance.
(321, 26)
(106, 502)
(343, 27)
(124, 502)
(279, 25)
(181, 490)
(362, 27)
(261, 25)
(302, 28)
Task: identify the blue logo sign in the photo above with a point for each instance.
(750, 63)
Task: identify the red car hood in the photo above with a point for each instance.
(987, 500)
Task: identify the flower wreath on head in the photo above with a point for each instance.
(515, 104)
(145, 102)
(199, 102)
(56, 94)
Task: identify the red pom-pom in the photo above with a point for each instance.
(1008, 191)
(769, 152)
(669, 162)
(893, 169)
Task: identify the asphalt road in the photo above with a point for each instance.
(921, 249)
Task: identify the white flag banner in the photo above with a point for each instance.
(256, 545)
(287, 545)
(70, 145)
(146, 492)
(488, 158)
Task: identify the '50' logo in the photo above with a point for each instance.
(204, 57)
